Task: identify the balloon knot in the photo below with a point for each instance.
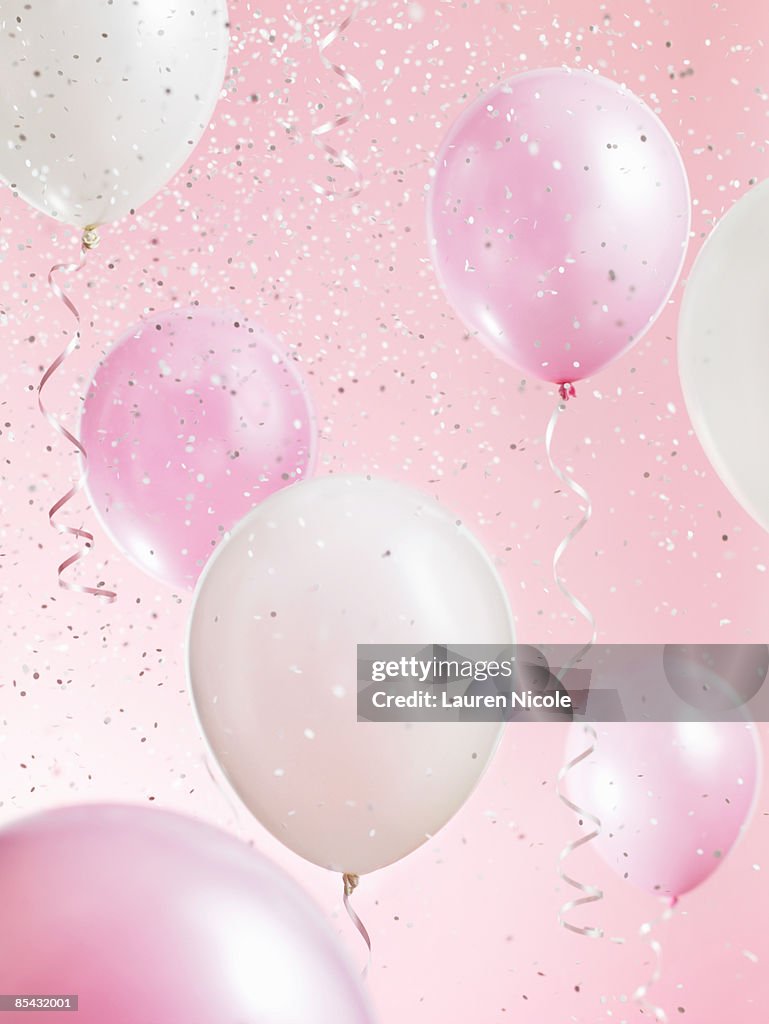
(90, 238)
(350, 883)
(567, 391)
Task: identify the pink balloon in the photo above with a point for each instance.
(150, 917)
(191, 420)
(559, 219)
(673, 797)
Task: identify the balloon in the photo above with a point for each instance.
(315, 570)
(149, 916)
(672, 797)
(723, 357)
(559, 218)
(191, 420)
(102, 102)
(716, 678)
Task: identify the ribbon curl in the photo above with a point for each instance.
(641, 993)
(575, 531)
(350, 883)
(590, 893)
(89, 241)
(319, 132)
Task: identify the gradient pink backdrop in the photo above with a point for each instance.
(92, 697)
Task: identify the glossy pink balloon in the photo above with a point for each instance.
(191, 420)
(150, 917)
(673, 797)
(559, 219)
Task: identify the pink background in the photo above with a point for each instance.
(92, 697)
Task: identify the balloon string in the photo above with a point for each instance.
(350, 883)
(89, 241)
(319, 132)
(591, 893)
(563, 547)
(641, 993)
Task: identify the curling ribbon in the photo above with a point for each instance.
(591, 893)
(89, 241)
(641, 993)
(319, 132)
(562, 548)
(350, 883)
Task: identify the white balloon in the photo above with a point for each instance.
(723, 350)
(313, 571)
(102, 101)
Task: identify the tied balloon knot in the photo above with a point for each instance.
(350, 882)
(567, 391)
(90, 239)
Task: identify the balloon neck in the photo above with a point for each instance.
(350, 883)
(90, 238)
(567, 391)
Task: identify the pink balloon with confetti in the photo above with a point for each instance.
(195, 417)
(129, 914)
(559, 219)
(672, 797)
